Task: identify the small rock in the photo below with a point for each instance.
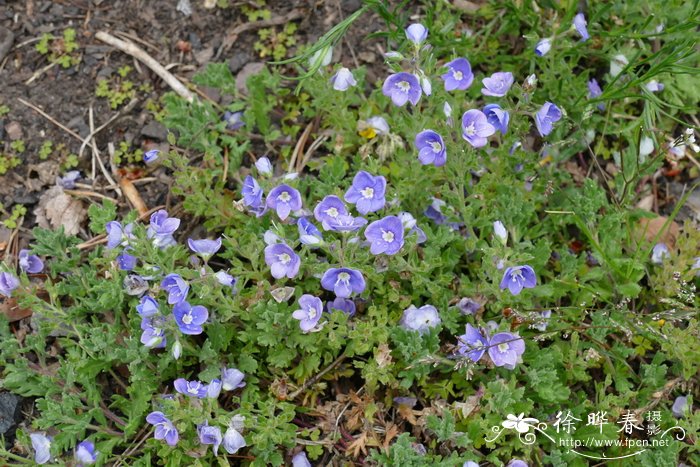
(350, 6)
(10, 413)
(195, 41)
(240, 58)
(79, 125)
(204, 56)
(14, 130)
(6, 40)
(155, 130)
(211, 93)
(249, 70)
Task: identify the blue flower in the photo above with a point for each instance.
(147, 307)
(476, 128)
(345, 305)
(85, 453)
(176, 288)
(190, 318)
(191, 388)
(282, 261)
(42, 447)
(594, 91)
(343, 281)
(210, 435)
(328, 210)
(401, 88)
(416, 33)
(431, 148)
(459, 75)
(252, 193)
(8, 283)
(385, 235)
(310, 312)
(546, 117)
(498, 84)
(151, 156)
(580, 25)
(234, 120)
(543, 47)
(31, 264)
(162, 228)
(517, 278)
(497, 117)
(367, 192)
(284, 199)
(153, 335)
(126, 262)
(164, 427)
(232, 378)
(347, 223)
(343, 79)
(420, 319)
(308, 233)
(205, 247)
(472, 344)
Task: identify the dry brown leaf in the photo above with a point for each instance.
(408, 414)
(648, 228)
(359, 444)
(391, 432)
(58, 209)
(12, 311)
(383, 355)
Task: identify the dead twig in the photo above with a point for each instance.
(96, 154)
(133, 50)
(316, 377)
(92, 134)
(232, 36)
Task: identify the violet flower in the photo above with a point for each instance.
(476, 128)
(420, 319)
(343, 281)
(347, 224)
(680, 407)
(308, 232)
(227, 280)
(468, 306)
(153, 335)
(234, 120)
(205, 247)
(328, 210)
(459, 75)
(499, 230)
(300, 460)
(282, 261)
(310, 312)
(164, 428)
(505, 349)
(580, 25)
(67, 182)
(264, 166)
(472, 344)
(31, 264)
(214, 389)
(345, 305)
(517, 463)
(161, 228)
(517, 278)
(191, 388)
(659, 253)
(654, 86)
(431, 148)
(546, 117)
(542, 321)
(42, 447)
(284, 199)
(343, 79)
(8, 283)
(85, 453)
(385, 235)
(118, 235)
(190, 318)
(252, 193)
(149, 157)
(126, 262)
(233, 440)
(210, 435)
(231, 379)
(498, 84)
(497, 117)
(367, 192)
(594, 91)
(543, 47)
(176, 288)
(416, 33)
(401, 88)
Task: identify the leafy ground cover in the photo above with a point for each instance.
(450, 264)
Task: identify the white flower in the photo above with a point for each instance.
(233, 441)
(271, 238)
(264, 166)
(519, 423)
(416, 33)
(659, 253)
(500, 231)
(379, 124)
(617, 63)
(425, 84)
(654, 86)
(343, 79)
(177, 350)
(646, 147)
(407, 220)
(42, 447)
(325, 52)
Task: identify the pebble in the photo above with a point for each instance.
(14, 130)
(6, 40)
(155, 130)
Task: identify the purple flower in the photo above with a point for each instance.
(8, 283)
(345, 305)
(264, 166)
(499, 230)
(497, 117)
(282, 261)
(226, 279)
(541, 323)
(459, 75)
(594, 91)
(151, 156)
(233, 441)
(329, 209)
(516, 463)
(468, 306)
(234, 120)
(210, 435)
(580, 25)
(420, 319)
(85, 453)
(659, 253)
(161, 228)
(367, 192)
(545, 117)
(498, 84)
(117, 235)
(402, 87)
(472, 344)
(252, 193)
(176, 288)
(31, 264)
(153, 335)
(385, 235)
(190, 318)
(68, 180)
(42, 447)
(164, 427)
(310, 312)
(214, 388)
(231, 379)
(476, 128)
(343, 281)
(505, 349)
(517, 278)
(654, 86)
(204, 247)
(347, 224)
(431, 148)
(680, 407)
(543, 47)
(343, 79)
(300, 460)
(284, 199)
(126, 262)
(416, 33)
(191, 388)
(308, 233)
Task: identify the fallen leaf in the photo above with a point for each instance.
(12, 311)
(383, 356)
(359, 444)
(649, 228)
(391, 433)
(58, 209)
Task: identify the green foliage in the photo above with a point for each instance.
(62, 50)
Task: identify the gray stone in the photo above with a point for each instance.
(10, 413)
(155, 130)
(7, 37)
